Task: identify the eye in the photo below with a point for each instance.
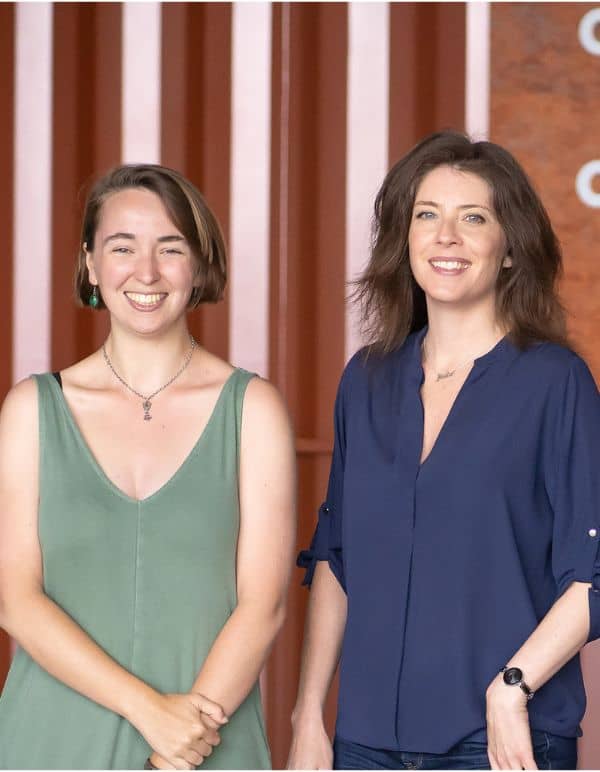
(474, 218)
(172, 251)
(425, 215)
(122, 250)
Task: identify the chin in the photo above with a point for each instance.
(446, 296)
(145, 327)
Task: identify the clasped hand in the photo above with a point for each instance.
(508, 730)
(182, 729)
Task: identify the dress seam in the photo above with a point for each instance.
(136, 586)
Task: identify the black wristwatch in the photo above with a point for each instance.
(513, 676)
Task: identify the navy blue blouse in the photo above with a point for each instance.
(450, 565)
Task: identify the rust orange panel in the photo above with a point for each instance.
(545, 108)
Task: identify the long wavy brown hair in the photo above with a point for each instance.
(392, 303)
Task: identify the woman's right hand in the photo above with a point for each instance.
(182, 729)
(311, 746)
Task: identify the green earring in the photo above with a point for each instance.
(94, 299)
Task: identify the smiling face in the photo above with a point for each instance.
(456, 244)
(142, 263)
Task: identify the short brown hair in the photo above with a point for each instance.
(186, 207)
(393, 305)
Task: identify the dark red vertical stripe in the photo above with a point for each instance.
(174, 91)
(72, 161)
(330, 259)
(307, 313)
(450, 65)
(196, 123)
(86, 142)
(106, 126)
(7, 56)
(404, 96)
(427, 71)
(279, 146)
(107, 83)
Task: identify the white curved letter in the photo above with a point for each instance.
(583, 184)
(587, 32)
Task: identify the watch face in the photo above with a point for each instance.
(513, 675)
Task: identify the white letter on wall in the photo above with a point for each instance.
(583, 184)
(587, 32)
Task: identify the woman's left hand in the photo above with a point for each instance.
(508, 731)
(158, 762)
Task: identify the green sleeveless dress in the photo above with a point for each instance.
(151, 581)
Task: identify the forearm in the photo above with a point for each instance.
(238, 655)
(558, 637)
(325, 624)
(62, 648)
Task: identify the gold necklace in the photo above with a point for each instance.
(448, 373)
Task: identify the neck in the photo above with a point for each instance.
(456, 334)
(145, 363)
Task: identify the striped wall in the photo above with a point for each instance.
(286, 116)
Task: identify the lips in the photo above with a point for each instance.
(145, 301)
(449, 266)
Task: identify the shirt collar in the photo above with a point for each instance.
(504, 349)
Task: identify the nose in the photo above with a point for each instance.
(448, 231)
(146, 267)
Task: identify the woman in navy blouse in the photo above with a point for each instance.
(455, 562)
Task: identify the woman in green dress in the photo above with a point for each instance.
(146, 513)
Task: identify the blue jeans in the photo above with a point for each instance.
(550, 752)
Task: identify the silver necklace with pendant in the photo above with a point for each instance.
(147, 400)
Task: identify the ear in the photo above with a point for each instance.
(507, 262)
(89, 261)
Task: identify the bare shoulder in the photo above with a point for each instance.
(263, 395)
(20, 404)
(19, 419)
(264, 408)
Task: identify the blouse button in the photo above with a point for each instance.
(326, 511)
(592, 532)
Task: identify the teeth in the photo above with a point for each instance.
(144, 300)
(451, 265)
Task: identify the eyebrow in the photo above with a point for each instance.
(462, 206)
(168, 239)
(131, 237)
(120, 235)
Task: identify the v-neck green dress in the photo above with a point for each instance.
(151, 581)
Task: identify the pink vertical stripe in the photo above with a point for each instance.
(367, 132)
(32, 189)
(250, 186)
(141, 83)
(477, 90)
